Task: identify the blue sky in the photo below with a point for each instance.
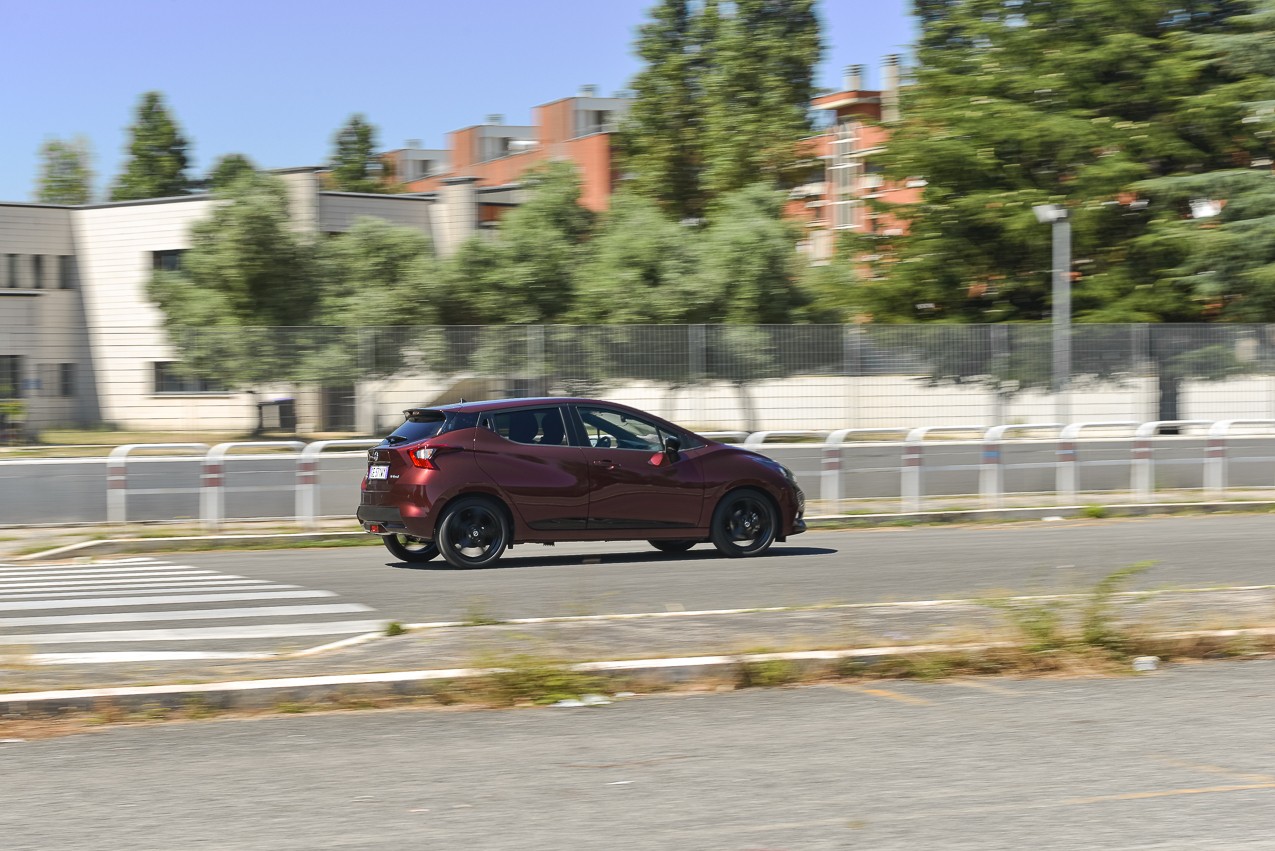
(274, 79)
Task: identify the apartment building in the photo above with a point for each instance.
(495, 155)
(82, 344)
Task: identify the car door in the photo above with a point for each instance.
(633, 483)
(527, 454)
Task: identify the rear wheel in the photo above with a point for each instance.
(679, 546)
(473, 532)
(407, 548)
(744, 523)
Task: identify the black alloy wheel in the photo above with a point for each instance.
(473, 532)
(678, 546)
(744, 524)
(407, 548)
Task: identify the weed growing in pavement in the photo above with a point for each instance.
(1094, 511)
(394, 628)
(477, 615)
(527, 678)
(767, 673)
(1097, 627)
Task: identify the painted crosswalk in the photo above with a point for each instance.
(150, 610)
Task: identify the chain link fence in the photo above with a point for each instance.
(710, 377)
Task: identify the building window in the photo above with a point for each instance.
(11, 270)
(168, 380)
(66, 272)
(167, 261)
(10, 376)
(37, 271)
(66, 379)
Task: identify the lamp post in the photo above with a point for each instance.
(1060, 305)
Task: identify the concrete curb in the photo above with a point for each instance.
(261, 694)
(114, 546)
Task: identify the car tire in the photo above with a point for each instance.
(745, 523)
(407, 548)
(678, 546)
(473, 532)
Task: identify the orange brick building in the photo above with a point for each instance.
(494, 155)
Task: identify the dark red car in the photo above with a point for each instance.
(471, 479)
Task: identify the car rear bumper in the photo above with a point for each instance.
(387, 517)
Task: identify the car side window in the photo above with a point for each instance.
(533, 426)
(608, 429)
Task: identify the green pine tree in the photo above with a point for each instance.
(65, 173)
(723, 100)
(227, 169)
(356, 165)
(157, 162)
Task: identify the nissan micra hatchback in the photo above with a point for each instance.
(472, 479)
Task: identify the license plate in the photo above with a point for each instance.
(378, 471)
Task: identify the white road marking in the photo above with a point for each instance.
(82, 577)
(211, 633)
(122, 656)
(118, 602)
(187, 615)
(90, 568)
(35, 586)
(157, 588)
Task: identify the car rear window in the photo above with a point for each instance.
(421, 423)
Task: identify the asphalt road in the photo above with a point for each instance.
(813, 568)
(237, 605)
(1179, 759)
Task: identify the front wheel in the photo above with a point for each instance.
(472, 532)
(744, 524)
(407, 548)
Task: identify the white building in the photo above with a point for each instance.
(80, 342)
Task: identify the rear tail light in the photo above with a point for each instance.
(424, 456)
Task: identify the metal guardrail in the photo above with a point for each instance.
(308, 477)
(913, 463)
(990, 466)
(117, 489)
(212, 493)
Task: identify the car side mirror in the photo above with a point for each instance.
(672, 446)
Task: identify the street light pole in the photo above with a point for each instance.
(1060, 306)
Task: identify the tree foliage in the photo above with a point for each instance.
(66, 175)
(245, 279)
(356, 164)
(723, 100)
(227, 169)
(157, 162)
(1074, 102)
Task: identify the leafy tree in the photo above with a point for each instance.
(540, 247)
(757, 89)
(1104, 108)
(748, 260)
(356, 165)
(640, 269)
(660, 137)
(65, 174)
(227, 169)
(157, 155)
(246, 277)
(1050, 101)
(723, 100)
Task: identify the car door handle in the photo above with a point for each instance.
(610, 465)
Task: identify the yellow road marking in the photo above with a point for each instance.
(1167, 793)
(1214, 769)
(891, 695)
(984, 687)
